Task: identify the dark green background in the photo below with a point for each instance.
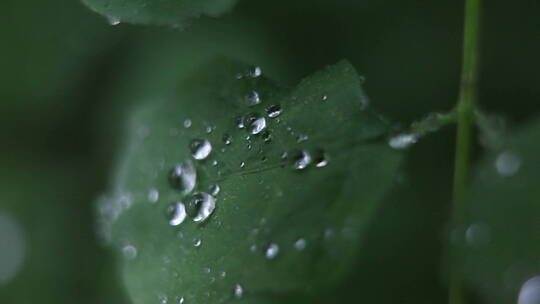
(59, 134)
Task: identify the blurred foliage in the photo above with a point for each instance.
(63, 68)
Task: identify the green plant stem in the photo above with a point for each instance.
(465, 119)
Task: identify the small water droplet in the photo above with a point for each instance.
(200, 148)
(478, 234)
(187, 123)
(255, 72)
(197, 242)
(300, 244)
(153, 195)
(209, 129)
(203, 204)
(266, 136)
(181, 300)
(507, 164)
(271, 251)
(238, 291)
(242, 164)
(530, 291)
(402, 141)
(301, 159)
(113, 20)
(320, 158)
(273, 111)
(214, 189)
(227, 139)
(163, 299)
(240, 122)
(253, 248)
(324, 98)
(253, 98)
(223, 274)
(255, 123)
(206, 270)
(301, 138)
(129, 251)
(176, 213)
(183, 176)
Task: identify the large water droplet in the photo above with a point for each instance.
(238, 291)
(253, 98)
(530, 291)
(507, 164)
(177, 213)
(200, 148)
(271, 251)
(183, 176)
(202, 204)
(301, 159)
(402, 141)
(255, 123)
(273, 111)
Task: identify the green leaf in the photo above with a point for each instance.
(178, 13)
(267, 209)
(497, 239)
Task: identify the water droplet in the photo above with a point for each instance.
(12, 248)
(153, 195)
(163, 299)
(402, 141)
(187, 123)
(223, 274)
(203, 204)
(324, 98)
(301, 137)
(242, 164)
(253, 248)
(301, 159)
(240, 122)
(183, 176)
(129, 251)
(181, 300)
(530, 291)
(477, 234)
(227, 139)
(200, 148)
(271, 251)
(255, 72)
(255, 123)
(197, 242)
(206, 270)
(253, 98)
(273, 111)
(176, 213)
(209, 129)
(320, 158)
(238, 291)
(267, 136)
(300, 244)
(507, 164)
(214, 189)
(113, 20)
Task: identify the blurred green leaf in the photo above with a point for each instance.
(265, 206)
(497, 239)
(178, 13)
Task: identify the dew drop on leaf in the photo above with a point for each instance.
(227, 139)
(187, 123)
(238, 291)
(113, 20)
(271, 251)
(402, 141)
(200, 148)
(129, 251)
(253, 98)
(320, 158)
(153, 195)
(530, 291)
(300, 244)
(301, 159)
(255, 123)
(507, 164)
(273, 111)
(203, 204)
(183, 176)
(197, 242)
(214, 189)
(176, 213)
(255, 72)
